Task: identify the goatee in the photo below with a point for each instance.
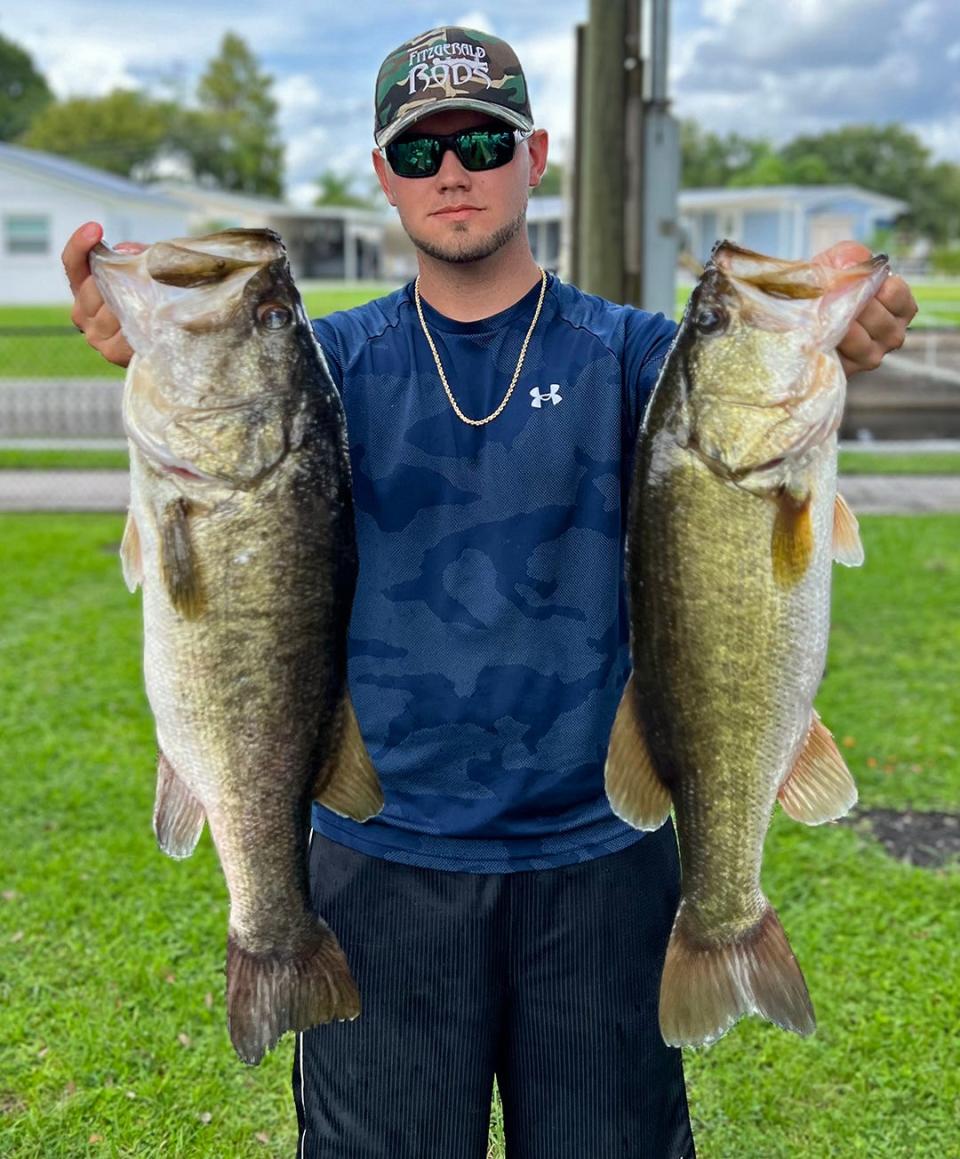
(470, 249)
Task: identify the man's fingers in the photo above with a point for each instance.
(858, 351)
(76, 253)
(895, 295)
(843, 254)
(117, 350)
(101, 326)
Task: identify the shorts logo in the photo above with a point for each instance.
(553, 395)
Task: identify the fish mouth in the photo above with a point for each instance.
(161, 458)
(794, 456)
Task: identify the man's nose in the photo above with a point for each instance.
(451, 174)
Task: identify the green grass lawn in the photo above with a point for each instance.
(938, 302)
(67, 354)
(851, 462)
(894, 463)
(111, 955)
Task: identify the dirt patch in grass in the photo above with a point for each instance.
(927, 839)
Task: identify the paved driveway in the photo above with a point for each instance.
(109, 491)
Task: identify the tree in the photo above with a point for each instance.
(708, 159)
(336, 190)
(551, 183)
(238, 142)
(887, 159)
(883, 158)
(24, 93)
(124, 132)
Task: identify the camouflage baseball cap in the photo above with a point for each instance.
(449, 68)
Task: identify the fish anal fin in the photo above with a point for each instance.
(819, 787)
(131, 556)
(635, 790)
(708, 985)
(791, 546)
(178, 565)
(847, 547)
(271, 993)
(348, 784)
(177, 814)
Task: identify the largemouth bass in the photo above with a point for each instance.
(734, 522)
(240, 532)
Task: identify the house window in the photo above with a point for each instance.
(25, 234)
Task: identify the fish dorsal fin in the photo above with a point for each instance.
(131, 556)
(791, 546)
(634, 788)
(177, 814)
(819, 786)
(178, 564)
(348, 782)
(847, 547)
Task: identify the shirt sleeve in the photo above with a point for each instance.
(328, 339)
(647, 342)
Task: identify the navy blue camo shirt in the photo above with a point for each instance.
(489, 636)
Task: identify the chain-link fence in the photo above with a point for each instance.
(61, 433)
(60, 404)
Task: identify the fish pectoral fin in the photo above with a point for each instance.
(634, 788)
(178, 564)
(348, 784)
(791, 546)
(131, 556)
(847, 548)
(819, 787)
(177, 814)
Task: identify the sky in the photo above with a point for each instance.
(762, 68)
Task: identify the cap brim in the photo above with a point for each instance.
(405, 120)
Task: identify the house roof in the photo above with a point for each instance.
(807, 196)
(211, 199)
(63, 171)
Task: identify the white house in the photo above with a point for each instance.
(787, 221)
(44, 198)
(326, 241)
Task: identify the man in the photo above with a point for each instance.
(498, 918)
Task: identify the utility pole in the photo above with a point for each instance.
(601, 153)
(626, 157)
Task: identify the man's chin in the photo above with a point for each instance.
(468, 247)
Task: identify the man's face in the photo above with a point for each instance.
(458, 215)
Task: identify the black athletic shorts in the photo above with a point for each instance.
(548, 979)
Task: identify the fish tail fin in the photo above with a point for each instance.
(707, 986)
(269, 994)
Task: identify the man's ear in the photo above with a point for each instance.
(384, 174)
(538, 146)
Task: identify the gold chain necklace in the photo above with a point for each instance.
(516, 374)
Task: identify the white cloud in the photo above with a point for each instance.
(820, 64)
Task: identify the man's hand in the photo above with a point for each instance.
(90, 313)
(882, 324)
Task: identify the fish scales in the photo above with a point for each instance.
(733, 525)
(240, 533)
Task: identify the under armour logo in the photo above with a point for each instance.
(538, 399)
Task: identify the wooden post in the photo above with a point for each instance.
(600, 248)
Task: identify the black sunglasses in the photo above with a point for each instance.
(420, 155)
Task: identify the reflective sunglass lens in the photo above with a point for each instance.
(476, 149)
(419, 156)
(485, 148)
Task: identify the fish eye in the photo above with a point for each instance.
(710, 320)
(273, 316)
